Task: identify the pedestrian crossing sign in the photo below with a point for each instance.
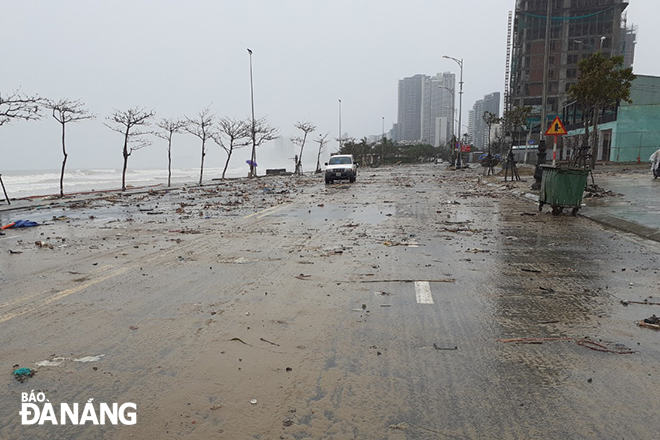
(556, 128)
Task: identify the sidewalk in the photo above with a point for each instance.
(634, 209)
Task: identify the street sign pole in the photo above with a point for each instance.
(555, 129)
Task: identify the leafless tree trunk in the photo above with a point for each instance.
(202, 127)
(594, 147)
(167, 129)
(65, 111)
(321, 141)
(232, 134)
(306, 128)
(261, 133)
(130, 123)
(18, 106)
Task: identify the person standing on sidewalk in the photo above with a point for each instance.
(655, 160)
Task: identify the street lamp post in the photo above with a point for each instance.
(253, 159)
(460, 107)
(453, 110)
(339, 126)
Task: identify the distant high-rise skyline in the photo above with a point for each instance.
(477, 128)
(425, 109)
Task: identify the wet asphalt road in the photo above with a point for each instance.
(378, 310)
(639, 201)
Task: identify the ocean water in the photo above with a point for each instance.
(21, 184)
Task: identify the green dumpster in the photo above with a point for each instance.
(562, 188)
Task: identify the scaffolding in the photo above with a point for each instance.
(576, 31)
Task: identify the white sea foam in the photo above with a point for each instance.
(32, 183)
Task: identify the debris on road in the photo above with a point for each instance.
(239, 340)
(525, 269)
(587, 343)
(652, 322)
(88, 359)
(20, 224)
(437, 347)
(646, 302)
(271, 343)
(476, 250)
(402, 426)
(23, 374)
(55, 362)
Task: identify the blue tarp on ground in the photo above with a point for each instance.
(22, 224)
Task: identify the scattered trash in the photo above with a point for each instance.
(239, 340)
(402, 426)
(43, 244)
(398, 243)
(302, 276)
(386, 305)
(587, 343)
(619, 348)
(133, 327)
(440, 280)
(271, 343)
(646, 302)
(15, 252)
(287, 422)
(20, 224)
(444, 348)
(525, 269)
(23, 374)
(88, 359)
(547, 289)
(377, 293)
(652, 322)
(214, 407)
(55, 362)
(289, 369)
(253, 401)
(476, 250)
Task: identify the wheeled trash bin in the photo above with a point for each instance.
(562, 187)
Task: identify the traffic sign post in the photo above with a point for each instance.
(555, 129)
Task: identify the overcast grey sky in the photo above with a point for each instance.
(177, 57)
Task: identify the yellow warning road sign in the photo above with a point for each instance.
(556, 128)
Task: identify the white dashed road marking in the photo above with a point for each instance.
(423, 292)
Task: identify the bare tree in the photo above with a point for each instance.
(65, 111)
(167, 129)
(232, 134)
(321, 141)
(130, 123)
(18, 106)
(202, 127)
(306, 128)
(260, 132)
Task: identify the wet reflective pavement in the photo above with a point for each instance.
(637, 199)
(417, 303)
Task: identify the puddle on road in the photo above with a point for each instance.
(359, 214)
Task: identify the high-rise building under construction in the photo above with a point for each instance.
(578, 28)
